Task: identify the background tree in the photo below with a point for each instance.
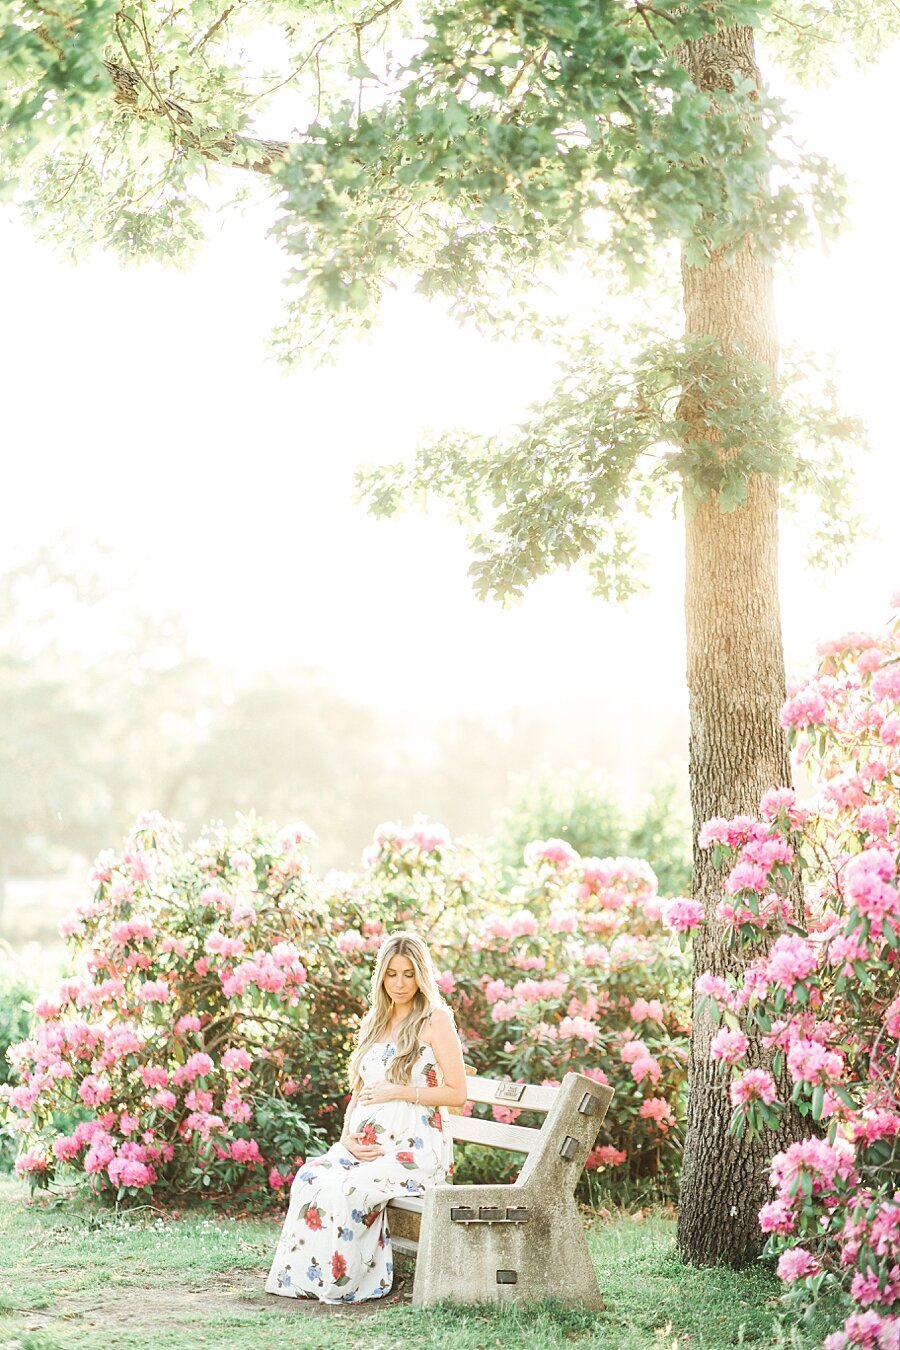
(477, 150)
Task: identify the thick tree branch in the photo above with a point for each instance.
(244, 152)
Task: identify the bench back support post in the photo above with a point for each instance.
(521, 1242)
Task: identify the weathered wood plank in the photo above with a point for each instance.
(494, 1092)
(471, 1130)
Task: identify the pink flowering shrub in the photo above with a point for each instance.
(203, 1049)
(576, 971)
(824, 990)
(186, 1057)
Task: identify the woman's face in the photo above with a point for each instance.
(400, 982)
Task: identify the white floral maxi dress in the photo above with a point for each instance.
(335, 1245)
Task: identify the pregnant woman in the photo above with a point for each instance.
(407, 1069)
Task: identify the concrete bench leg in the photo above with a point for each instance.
(523, 1242)
(546, 1256)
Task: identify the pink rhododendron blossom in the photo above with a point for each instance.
(810, 1062)
(351, 941)
(132, 930)
(595, 955)
(445, 982)
(646, 1067)
(605, 1156)
(234, 1109)
(796, 1264)
(886, 684)
(643, 1010)
(804, 709)
(731, 834)
(154, 1075)
(777, 1217)
(683, 914)
(555, 851)
(94, 1091)
(714, 987)
(728, 1046)
(67, 1148)
(153, 991)
(236, 1058)
(868, 1289)
(571, 1027)
(783, 801)
(792, 958)
(823, 1162)
(32, 1163)
(659, 1111)
(245, 1150)
(175, 945)
(204, 1123)
(890, 731)
(747, 876)
(868, 878)
(197, 1066)
(753, 1085)
(217, 944)
(129, 1172)
(865, 1331)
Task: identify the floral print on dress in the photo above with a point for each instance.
(335, 1244)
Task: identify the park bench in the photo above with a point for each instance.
(524, 1240)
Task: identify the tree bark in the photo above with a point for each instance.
(735, 673)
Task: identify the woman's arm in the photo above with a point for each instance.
(449, 1055)
(347, 1114)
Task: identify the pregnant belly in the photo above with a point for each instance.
(385, 1124)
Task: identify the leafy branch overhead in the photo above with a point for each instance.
(463, 145)
(612, 439)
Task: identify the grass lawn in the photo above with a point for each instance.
(72, 1274)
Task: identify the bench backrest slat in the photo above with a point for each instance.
(533, 1098)
(472, 1130)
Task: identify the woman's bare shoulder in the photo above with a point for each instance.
(438, 1022)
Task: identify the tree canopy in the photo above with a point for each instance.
(475, 152)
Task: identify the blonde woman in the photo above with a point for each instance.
(406, 1070)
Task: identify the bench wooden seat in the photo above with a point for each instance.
(524, 1240)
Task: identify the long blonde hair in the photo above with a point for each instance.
(377, 1020)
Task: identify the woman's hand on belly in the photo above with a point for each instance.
(356, 1145)
(374, 1094)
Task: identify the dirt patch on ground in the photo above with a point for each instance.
(235, 1291)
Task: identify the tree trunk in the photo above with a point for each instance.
(735, 672)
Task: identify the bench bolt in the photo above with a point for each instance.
(589, 1104)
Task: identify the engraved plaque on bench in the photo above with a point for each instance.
(589, 1104)
(510, 1092)
(568, 1148)
(507, 1277)
(517, 1214)
(490, 1214)
(462, 1214)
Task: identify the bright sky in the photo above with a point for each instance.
(143, 409)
